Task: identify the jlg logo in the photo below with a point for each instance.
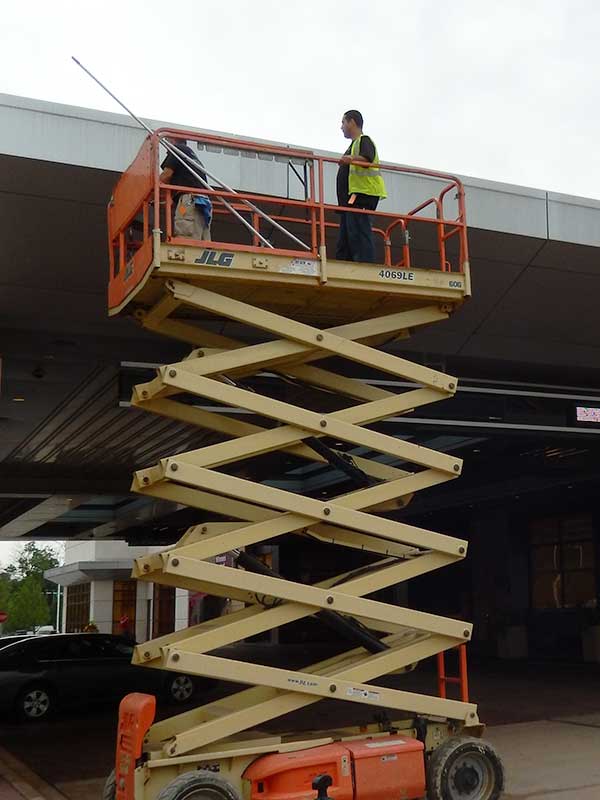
(213, 259)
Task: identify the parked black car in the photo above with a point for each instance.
(41, 673)
(11, 639)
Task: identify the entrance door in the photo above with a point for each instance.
(163, 610)
(124, 601)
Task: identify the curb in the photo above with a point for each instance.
(25, 782)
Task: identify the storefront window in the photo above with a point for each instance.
(78, 607)
(163, 610)
(563, 568)
(124, 597)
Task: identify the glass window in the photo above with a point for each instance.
(545, 557)
(124, 600)
(78, 607)
(113, 647)
(546, 590)
(163, 610)
(563, 563)
(74, 648)
(50, 648)
(11, 656)
(545, 530)
(93, 646)
(579, 589)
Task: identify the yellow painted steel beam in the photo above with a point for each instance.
(221, 423)
(248, 622)
(332, 598)
(248, 698)
(311, 683)
(384, 327)
(311, 337)
(273, 703)
(308, 510)
(206, 501)
(286, 523)
(340, 425)
(343, 277)
(264, 512)
(251, 621)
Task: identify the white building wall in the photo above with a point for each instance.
(79, 551)
(86, 137)
(181, 608)
(111, 550)
(103, 551)
(101, 605)
(143, 611)
(101, 592)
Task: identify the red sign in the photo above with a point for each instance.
(3, 617)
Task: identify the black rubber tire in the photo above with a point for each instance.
(39, 694)
(480, 761)
(179, 688)
(198, 785)
(109, 792)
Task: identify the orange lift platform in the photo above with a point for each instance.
(259, 306)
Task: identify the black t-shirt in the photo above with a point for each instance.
(367, 150)
(181, 175)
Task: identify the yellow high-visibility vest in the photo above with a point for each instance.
(365, 180)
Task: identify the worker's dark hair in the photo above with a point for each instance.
(356, 116)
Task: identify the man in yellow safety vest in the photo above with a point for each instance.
(357, 188)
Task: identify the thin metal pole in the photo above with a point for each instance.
(187, 162)
(248, 202)
(180, 156)
(175, 152)
(58, 620)
(114, 97)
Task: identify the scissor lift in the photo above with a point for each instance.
(292, 308)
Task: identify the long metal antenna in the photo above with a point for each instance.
(175, 152)
(187, 162)
(114, 97)
(250, 205)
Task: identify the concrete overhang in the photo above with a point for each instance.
(86, 571)
(536, 283)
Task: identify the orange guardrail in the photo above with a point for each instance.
(461, 680)
(141, 204)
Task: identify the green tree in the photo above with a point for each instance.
(25, 573)
(5, 591)
(27, 606)
(33, 560)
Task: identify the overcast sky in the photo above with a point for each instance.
(506, 91)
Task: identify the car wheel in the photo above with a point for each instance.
(35, 703)
(180, 688)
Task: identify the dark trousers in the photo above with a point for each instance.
(355, 239)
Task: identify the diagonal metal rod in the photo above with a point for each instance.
(175, 152)
(346, 626)
(250, 205)
(189, 164)
(180, 156)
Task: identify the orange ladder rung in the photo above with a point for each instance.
(462, 679)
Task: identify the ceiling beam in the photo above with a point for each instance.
(49, 509)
